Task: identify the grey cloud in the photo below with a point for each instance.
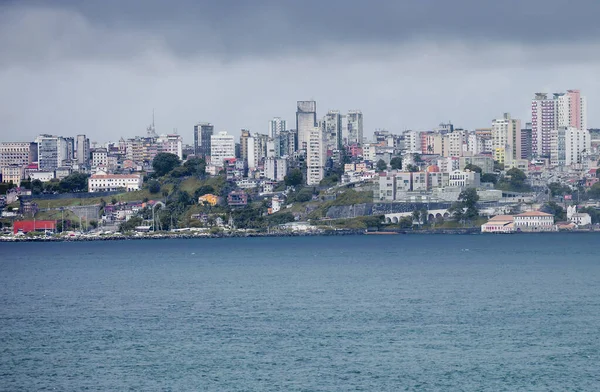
(232, 28)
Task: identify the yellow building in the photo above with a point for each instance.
(209, 198)
(499, 155)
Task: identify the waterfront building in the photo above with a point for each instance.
(534, 221)
(504, 224)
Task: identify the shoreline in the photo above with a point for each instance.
(324, 233)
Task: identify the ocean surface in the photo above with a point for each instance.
(356, 313)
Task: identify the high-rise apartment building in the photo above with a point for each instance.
(203, 133)
(276, 125)
(83, 151)
(172, 144)
(316, 155)
(526, 147)
(244, 136)
(332, 129)
(285, 143)
(52, 152)
(306, 121)
(569, 146)
(354, 123)
(548, 114)
(506, 139)
(222, 146)
(457, 142)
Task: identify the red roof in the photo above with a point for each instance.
(26, 226)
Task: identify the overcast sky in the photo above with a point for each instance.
(101, 67)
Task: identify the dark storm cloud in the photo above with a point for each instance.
(259, 27)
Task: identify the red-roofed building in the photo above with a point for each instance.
(102, 182)
(26, 226)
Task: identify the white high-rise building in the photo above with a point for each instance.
(306, 120)
(413, 141)
(316, 155)
(354, 123)
(569, 146)
(275, 168)
(276, 125)
(222, 146)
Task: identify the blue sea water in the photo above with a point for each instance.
(364, 313)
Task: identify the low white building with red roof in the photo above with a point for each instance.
(103, 182)
(534, 221)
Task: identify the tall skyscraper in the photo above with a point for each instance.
(306, 121)
(316, 155)
(202, 139)
(547, 114)
(83, 151)
(355, 127)
(332, 129)
(276, 125)
(222, 146)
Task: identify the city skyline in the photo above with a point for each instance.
(102, 70)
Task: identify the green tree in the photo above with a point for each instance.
(473, 168)
(131, 224)
(412, 168)
(74, 182)
(37, 187)
(154, 186)
(396, 163)
(514, 181)
(405, 222)
(557, 189)
(489, 177)
(294, 177)
(465, 209)
(594, 191)
(195, 167)
(381, 165)
(164, 162)
(553, 208)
